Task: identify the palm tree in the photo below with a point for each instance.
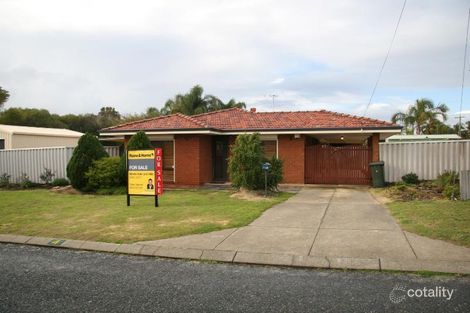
(422, 117)
(195, 103)
(216, 104)
(189, 104)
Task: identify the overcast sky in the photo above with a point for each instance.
(77, 56)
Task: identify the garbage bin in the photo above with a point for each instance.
(377, 171)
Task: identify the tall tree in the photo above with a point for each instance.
(194, 102)
(190, 103)
(84, 123)
(215, 104)
(152, 112)
(31, 117)
(108, 116)
(4, 95)
(422, 117)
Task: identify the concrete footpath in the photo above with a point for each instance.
(342, 228)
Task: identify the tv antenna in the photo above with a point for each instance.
(273, 96)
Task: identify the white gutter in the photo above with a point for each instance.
(264, 132)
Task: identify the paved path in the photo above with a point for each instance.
(37, 279)
(327, 223)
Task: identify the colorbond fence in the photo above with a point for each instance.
(465, 185)
(33, 161)
(426, 159)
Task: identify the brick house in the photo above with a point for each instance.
(319, 147)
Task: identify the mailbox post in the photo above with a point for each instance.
(266, 167)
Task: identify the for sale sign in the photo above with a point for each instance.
(159, 171)
(141, 172)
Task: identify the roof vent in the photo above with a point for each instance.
(253, 110)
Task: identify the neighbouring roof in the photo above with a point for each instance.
(241, 120)
(39, 131)
(423, 137)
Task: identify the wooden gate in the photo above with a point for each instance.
(326, 164)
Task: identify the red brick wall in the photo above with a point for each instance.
(374, 142)
(186, 160)
(205, 159)
(193, 159)
(292, 152)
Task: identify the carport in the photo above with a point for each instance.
(339, 158)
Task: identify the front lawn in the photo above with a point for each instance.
(107, 218)
(428, 214)
(439, 219)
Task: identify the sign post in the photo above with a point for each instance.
(144, 174)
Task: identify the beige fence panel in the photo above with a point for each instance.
(426, 159)
(465, 185)
(32, 162)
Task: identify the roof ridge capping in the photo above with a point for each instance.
(189, 118)
(137, 121)
(219, 111)
(192, 119)
(359, 117)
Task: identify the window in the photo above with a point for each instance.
(269, 148)
(2, 144)
(168, 159)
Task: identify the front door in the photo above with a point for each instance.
(220, 155)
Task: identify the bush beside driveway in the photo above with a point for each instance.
(108, 219)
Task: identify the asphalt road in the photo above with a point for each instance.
(34, 279)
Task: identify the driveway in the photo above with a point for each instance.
(325, 222)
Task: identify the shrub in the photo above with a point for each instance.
(25, 182)
(245, 164)
(410, 178)
(401, 186)
(275, 173)
(139, 141)
(447, 178)
(104, 173)
(451, 192)
(5, 180)
(47, 175)
(88, 150)
(60, 182)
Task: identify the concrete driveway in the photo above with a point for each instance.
(325, 222)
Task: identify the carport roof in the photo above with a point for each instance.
(235, 119)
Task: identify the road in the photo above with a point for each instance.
(38, 279)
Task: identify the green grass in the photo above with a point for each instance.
(438, 219)
(107, 218)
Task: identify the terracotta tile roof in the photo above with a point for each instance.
(173, 121)
(238, 119)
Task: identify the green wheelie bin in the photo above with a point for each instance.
(377, 171)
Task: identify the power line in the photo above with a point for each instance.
(386, 58)
(463, 75)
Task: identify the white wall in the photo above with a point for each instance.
(19, 141)
(33, 161)
(426, 159)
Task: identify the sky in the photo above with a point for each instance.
(78, 56)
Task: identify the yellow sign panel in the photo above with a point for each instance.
(141, 154)
(141, 172)
(141, 183)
